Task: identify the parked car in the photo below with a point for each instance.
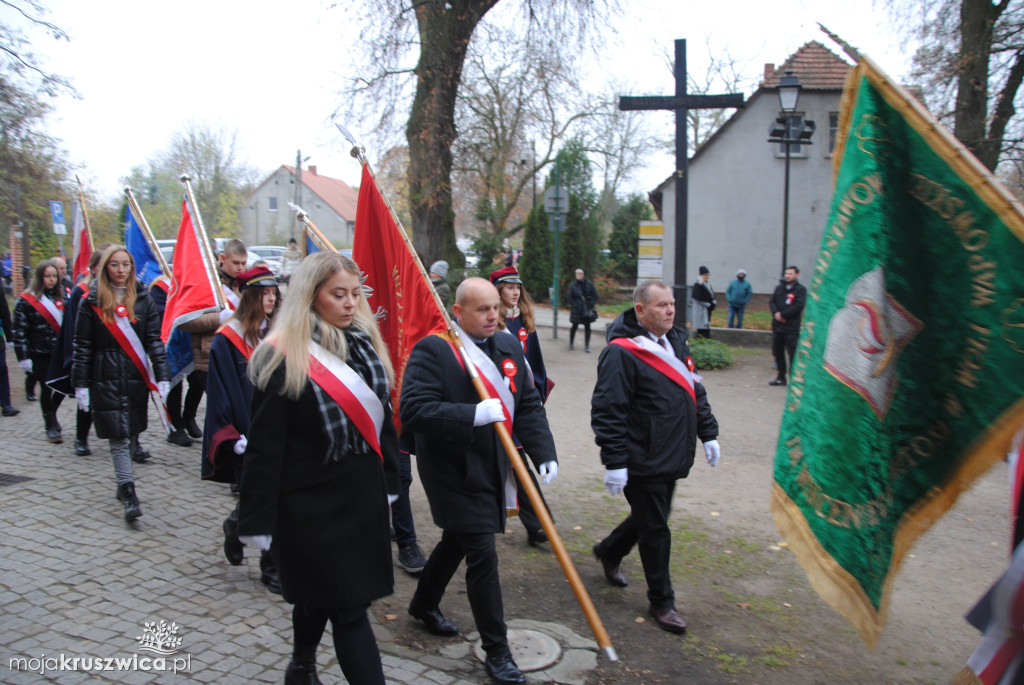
(271, 254)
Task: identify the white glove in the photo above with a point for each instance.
(615, 480)
(548, 471)
(26, 365)
(489, 411)
(240, 445)
(713, 452)
(82, 395)
(225, 314)
(392, 499)
(163, 388)
(261, 541)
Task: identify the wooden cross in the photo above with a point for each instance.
(681, 103)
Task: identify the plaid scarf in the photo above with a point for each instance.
(363, 359)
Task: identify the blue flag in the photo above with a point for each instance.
(311, 247)
(146, 265)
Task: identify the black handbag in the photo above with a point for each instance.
(592, 314)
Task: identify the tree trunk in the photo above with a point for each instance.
(977, 20)
(445, 29)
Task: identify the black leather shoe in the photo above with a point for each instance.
(82, 448)
(29, 395)
(537, 537)
(301, 674)
(611, 569)
(669, 619)
(234, 550)
(192, 428)
(272, 581)
(180, 438)
(778, 381)
(11, 411)
(435, 621)
(503, 670)
(141, 455)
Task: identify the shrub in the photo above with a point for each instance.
(606, 288)
(710, 354)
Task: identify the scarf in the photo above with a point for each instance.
(363, 359)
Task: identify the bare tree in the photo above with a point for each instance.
(16, 56)
(430, 41)
(971, 65)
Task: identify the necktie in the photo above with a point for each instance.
(664, 343)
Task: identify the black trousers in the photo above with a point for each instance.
(196, 388)
(354, 642)
(483, 587)
(401, 510)
(586, 333)
(783, 343)
(49, 399)
(647, 527)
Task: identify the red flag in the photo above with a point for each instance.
(192, 294)
(402, 297)
(82, 250)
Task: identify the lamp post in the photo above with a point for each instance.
(781, 131)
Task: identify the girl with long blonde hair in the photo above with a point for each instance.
(321, 466)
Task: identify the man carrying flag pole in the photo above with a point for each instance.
(909, 372)
(394, 271)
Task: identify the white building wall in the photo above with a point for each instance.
(736, 198)
(261, 225)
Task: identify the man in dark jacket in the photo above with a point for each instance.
(787, 307)
(464, 470)
(647, 411)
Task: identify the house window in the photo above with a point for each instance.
(833, 129)
(272, 203)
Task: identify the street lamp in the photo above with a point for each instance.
(782, 131)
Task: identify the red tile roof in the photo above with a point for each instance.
(817, 67)
(335, 192)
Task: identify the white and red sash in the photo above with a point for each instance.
(47, 308)
(128, 339)
(650, 352)
(232, 331)
(346, 387)
(232, 298)
(496, 387)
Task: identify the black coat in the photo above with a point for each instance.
(790, 304)
(32, 334)
(118, 393)
(462, 467)
(642, 420)
(582, 296)
(329, 521)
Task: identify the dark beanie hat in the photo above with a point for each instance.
(704, 270)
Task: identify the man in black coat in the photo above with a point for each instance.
(463, 467)
(787, 307)
(647, 411)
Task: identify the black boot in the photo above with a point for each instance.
(52, 428)
(268, 572)
(301, 673)
(30, 390)
(126, 493)
(192, 428)
(82, 448)
(234, 551)
(139, 453)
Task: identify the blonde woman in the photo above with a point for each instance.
(118, 359)
(320, 462)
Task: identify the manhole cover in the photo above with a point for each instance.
(11, 479)
(531, 650)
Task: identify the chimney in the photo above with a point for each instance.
(769, 68)
(311, 169)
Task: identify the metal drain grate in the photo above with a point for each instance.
(11, 479)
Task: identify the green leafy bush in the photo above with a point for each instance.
(710, 354)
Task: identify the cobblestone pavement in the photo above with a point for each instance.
(77, 581)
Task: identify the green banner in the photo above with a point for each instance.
(909, 373)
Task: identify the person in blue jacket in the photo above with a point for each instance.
(738, 294)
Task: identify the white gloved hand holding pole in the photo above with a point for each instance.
(26, 365)
(489, 411)
(615, 480)
(261, 541)
(713, 452)
(82, 395)
(163, 388)
(240, 445)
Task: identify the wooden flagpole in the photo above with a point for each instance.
(85, 215)
(204, 244)
(312, 231)
(568, 568)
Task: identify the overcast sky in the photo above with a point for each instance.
(270, 69)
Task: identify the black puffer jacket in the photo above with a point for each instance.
(642, 420)
(117, 390)
(33, 336)
(582, 296)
